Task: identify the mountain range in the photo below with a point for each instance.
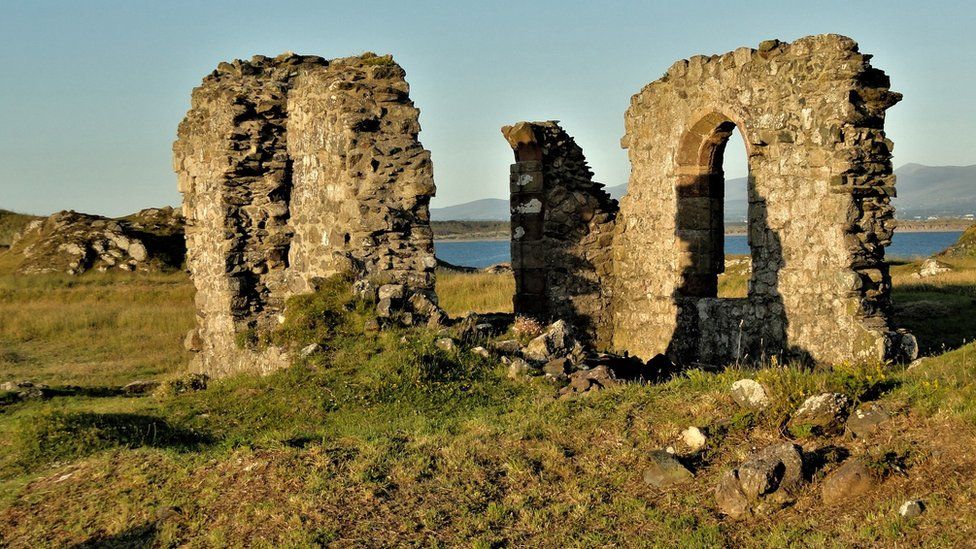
(923, 191)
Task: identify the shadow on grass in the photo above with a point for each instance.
(62, 436)
(942, 317)
(137, 536)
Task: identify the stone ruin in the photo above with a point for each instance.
(296, 168)
(293, 169)
(562, 231)
(820, 186)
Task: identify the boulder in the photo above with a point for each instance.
(766, 478)
(557, 341)
(911, 509)
(508, 347)
(931, 267)
(749, 393)
(393, 292)
(558, 367)
(820, 415)
(849, 481)
(693, 438)
(586, 381)
(140, 387)
(446, 344)
(518, 368)
(866, 420)
(481, 351)
(664, 470)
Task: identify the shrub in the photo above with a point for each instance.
(526, 327)
(331, 311)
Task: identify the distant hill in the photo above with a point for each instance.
(923, 191)
(940, 191)
(486, 209)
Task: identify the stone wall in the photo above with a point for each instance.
(292, 169)
(812, 116)
(562, 228)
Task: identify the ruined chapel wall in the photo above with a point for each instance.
(254, 228)
(562, 228)
(362, 180)
(811, 113)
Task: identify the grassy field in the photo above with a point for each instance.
(386, 439)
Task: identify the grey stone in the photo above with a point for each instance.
(140, 387)
(867, 420)
(508, 346)
(518, 368)
(557, 341)
(309, 350)
(821, 415)
(481, 351)
(729, 496)
(849, 481)
(693, 438)
(557, 367)
(446, 344)
(384, 308)
(749, 393)
(663, 470)
(766, 479)
(391, 291)
(911, 509)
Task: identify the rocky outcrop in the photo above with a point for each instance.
(931, 267)
(294, 169)
(965, 246)
(73, 243)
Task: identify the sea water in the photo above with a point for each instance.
(482, 253)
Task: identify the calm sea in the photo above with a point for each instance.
(482, 253)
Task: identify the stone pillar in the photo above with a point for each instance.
(562, 228)
(527, 187)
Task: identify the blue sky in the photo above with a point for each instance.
(91, 92)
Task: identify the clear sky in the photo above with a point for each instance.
(92, 91)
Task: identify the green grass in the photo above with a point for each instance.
(93, 330)
(386, 439)
(12, 223)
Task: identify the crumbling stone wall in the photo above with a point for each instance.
(820, 186)
(562, 228)
(292, 169)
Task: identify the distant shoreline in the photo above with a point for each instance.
(481, 231)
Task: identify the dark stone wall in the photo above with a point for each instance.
(562, 230)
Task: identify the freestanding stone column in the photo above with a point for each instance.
(293, 169)
(562, 227)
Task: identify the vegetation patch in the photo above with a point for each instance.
(60, 436)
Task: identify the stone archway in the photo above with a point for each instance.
(812, 115)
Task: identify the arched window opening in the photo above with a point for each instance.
(706, 209)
